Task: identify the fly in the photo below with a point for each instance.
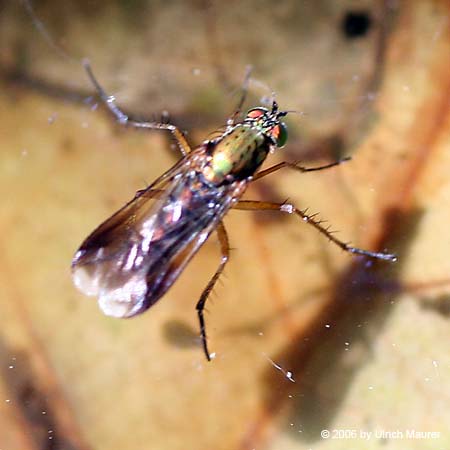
(132, 259)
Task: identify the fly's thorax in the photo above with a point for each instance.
(236, 155)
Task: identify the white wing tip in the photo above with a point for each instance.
(124, 301)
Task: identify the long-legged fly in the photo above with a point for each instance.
(132, 259)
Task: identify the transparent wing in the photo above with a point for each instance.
(133, 258)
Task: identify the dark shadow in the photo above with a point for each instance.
(356, 24)
(181, 335)
(29, 402)
(439, 304)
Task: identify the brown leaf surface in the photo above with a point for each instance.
(307, 338)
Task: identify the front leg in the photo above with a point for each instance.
(123, 119)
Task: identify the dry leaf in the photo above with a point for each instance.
(307, 338)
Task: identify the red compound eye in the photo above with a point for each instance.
(279, 133)
(256, 113)
(275, 131)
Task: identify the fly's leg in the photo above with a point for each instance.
(295, 166)
(225, 252)
(232, 120)
(123, 119)
(252, 205)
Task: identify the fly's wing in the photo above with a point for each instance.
(102, 250)
(131, 260)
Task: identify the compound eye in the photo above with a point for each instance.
(280, 134)
(256, 113)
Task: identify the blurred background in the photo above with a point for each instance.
(307, 338)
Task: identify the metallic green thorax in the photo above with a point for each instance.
(237, 154)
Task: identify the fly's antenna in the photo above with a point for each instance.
(275, 109)
(289, 111)
(293, 111)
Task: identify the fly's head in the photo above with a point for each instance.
(268, 122)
